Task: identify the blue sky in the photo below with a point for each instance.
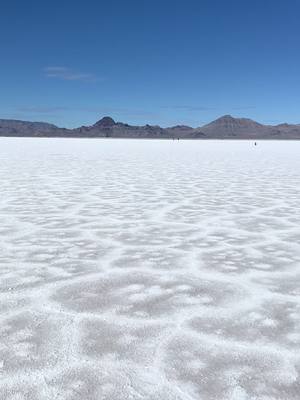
(149, 61)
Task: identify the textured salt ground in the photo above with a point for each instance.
(149, 270)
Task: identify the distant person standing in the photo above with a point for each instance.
(255, 144)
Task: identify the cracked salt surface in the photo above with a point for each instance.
(149, 270)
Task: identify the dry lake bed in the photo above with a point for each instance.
(143, 269)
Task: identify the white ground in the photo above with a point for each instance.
(149, 270)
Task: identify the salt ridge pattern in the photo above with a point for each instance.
(149, 270)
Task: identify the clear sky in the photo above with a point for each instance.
(150, 61)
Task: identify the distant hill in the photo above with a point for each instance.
(10, 127)
(230, 127)
(107, 127)
(225, 127)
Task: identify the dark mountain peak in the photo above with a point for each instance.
(230, 121)
(226, 117)
(105, 122)
(230, 127)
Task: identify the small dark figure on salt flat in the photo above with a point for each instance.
(255, 144)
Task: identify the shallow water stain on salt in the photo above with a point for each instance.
(149, 270)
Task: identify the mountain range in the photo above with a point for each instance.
(225, 127)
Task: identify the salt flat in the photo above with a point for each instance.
(149, 270)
